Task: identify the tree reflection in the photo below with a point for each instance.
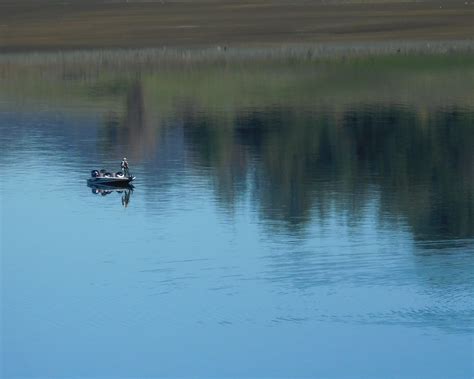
(303, 163)
(300, 157)
(135, 131)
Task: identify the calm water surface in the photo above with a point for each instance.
(284, 223)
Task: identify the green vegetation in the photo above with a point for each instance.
(250, 78)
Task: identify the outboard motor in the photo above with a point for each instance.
(94, 173)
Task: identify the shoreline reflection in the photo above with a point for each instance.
(297, 158)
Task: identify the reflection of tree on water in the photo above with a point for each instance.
(134, 131)
(125, 192)
(370, 162)
(303, 164)
(213, 144)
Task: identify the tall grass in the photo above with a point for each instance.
(428, 80)
(117, 59)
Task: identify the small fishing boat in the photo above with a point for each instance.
(104, 177)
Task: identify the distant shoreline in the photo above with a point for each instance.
(53, 25)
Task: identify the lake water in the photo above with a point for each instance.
(287, 220)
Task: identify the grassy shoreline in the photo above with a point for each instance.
(162, 57)
(428, 80)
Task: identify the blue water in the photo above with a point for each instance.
(276, 249)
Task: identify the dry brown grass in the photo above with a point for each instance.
(27, 25)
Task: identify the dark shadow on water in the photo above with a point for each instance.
(125, 192)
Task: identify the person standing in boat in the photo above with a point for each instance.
(124, 165)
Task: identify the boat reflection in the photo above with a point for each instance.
(104, 190)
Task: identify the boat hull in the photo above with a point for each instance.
(111, 181)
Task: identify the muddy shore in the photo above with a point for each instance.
(50, 25)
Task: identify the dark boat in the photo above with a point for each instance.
(103, 177)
